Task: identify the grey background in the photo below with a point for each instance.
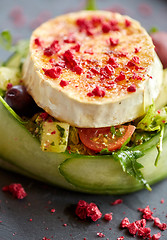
(15, 214)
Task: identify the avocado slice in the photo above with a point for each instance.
(92, 174)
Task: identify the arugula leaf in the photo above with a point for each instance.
(91, 5)
(6, 39)
(18, 118)
(127, 159)
(153, 30)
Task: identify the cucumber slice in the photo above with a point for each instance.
(9, 75)
(102, 174)
(14, 61)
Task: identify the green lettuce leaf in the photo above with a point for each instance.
(128, 160)
(91, 5)
(154, 120)
(6, 40)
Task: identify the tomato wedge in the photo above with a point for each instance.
(111, 138)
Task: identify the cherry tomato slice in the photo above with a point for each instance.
(111, 138)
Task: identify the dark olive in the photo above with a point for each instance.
(20, 101)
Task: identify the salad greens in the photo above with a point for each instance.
(6, 40)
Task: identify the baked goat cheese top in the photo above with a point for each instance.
(92, 69)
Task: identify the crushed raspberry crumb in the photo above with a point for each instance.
(141, 223)
(53, 132)
(65, 224)
(120, 77)
(113, 42)
(137, 49)
(76, 47)
(131, 88)
(128, 23)
(144, 232)
(147, 213)
(70, 39)
(136, 76)
(120, 238)
(71, 62)
(117, 201)
(37, 42)
(99, 234)
(52, 49)
(30, 219)
(106, 27)
(136, 60)
(16, 190)
(161, 226)
(89, 51)
(132, 228)
(108, 216)
(112, 61)
(63, 83)
(162, 200)
(97, 92)
(94, 70)
(53, 210)
(85, 209)
(156, 236)
(125, 223)
(53, 72)
(44, 238)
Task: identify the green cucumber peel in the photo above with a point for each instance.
(91, 5)
(17, 117)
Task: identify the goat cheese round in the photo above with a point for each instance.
(92, 69)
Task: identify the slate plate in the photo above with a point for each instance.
(21, 17)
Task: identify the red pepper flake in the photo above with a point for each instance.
(156, 236)
(125, 223)
(131, 88)
(37, 42)
(16, 190)
(108, 216)
(63, 83)
(89, 51)
(99, 234)
(162, 200)
(76, 47)
(9, 85)
(147, 213)
(53, 72)
(112, 61)
(85, 209)
(120, 77)
(113, 42)
(52, 49)
(120, 238)
(128, 23)
(97, 91)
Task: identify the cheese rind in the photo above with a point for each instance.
(71, 103)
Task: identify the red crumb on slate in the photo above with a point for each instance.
(120, 238)
(84, 210)
(145, 9)
(117, 201)
(30, 219)
(162, 201)
(16, 190)
(65, 224)
(44, 238)
(17, 16)
(99, 234)
(53, 210)
(108, 216)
